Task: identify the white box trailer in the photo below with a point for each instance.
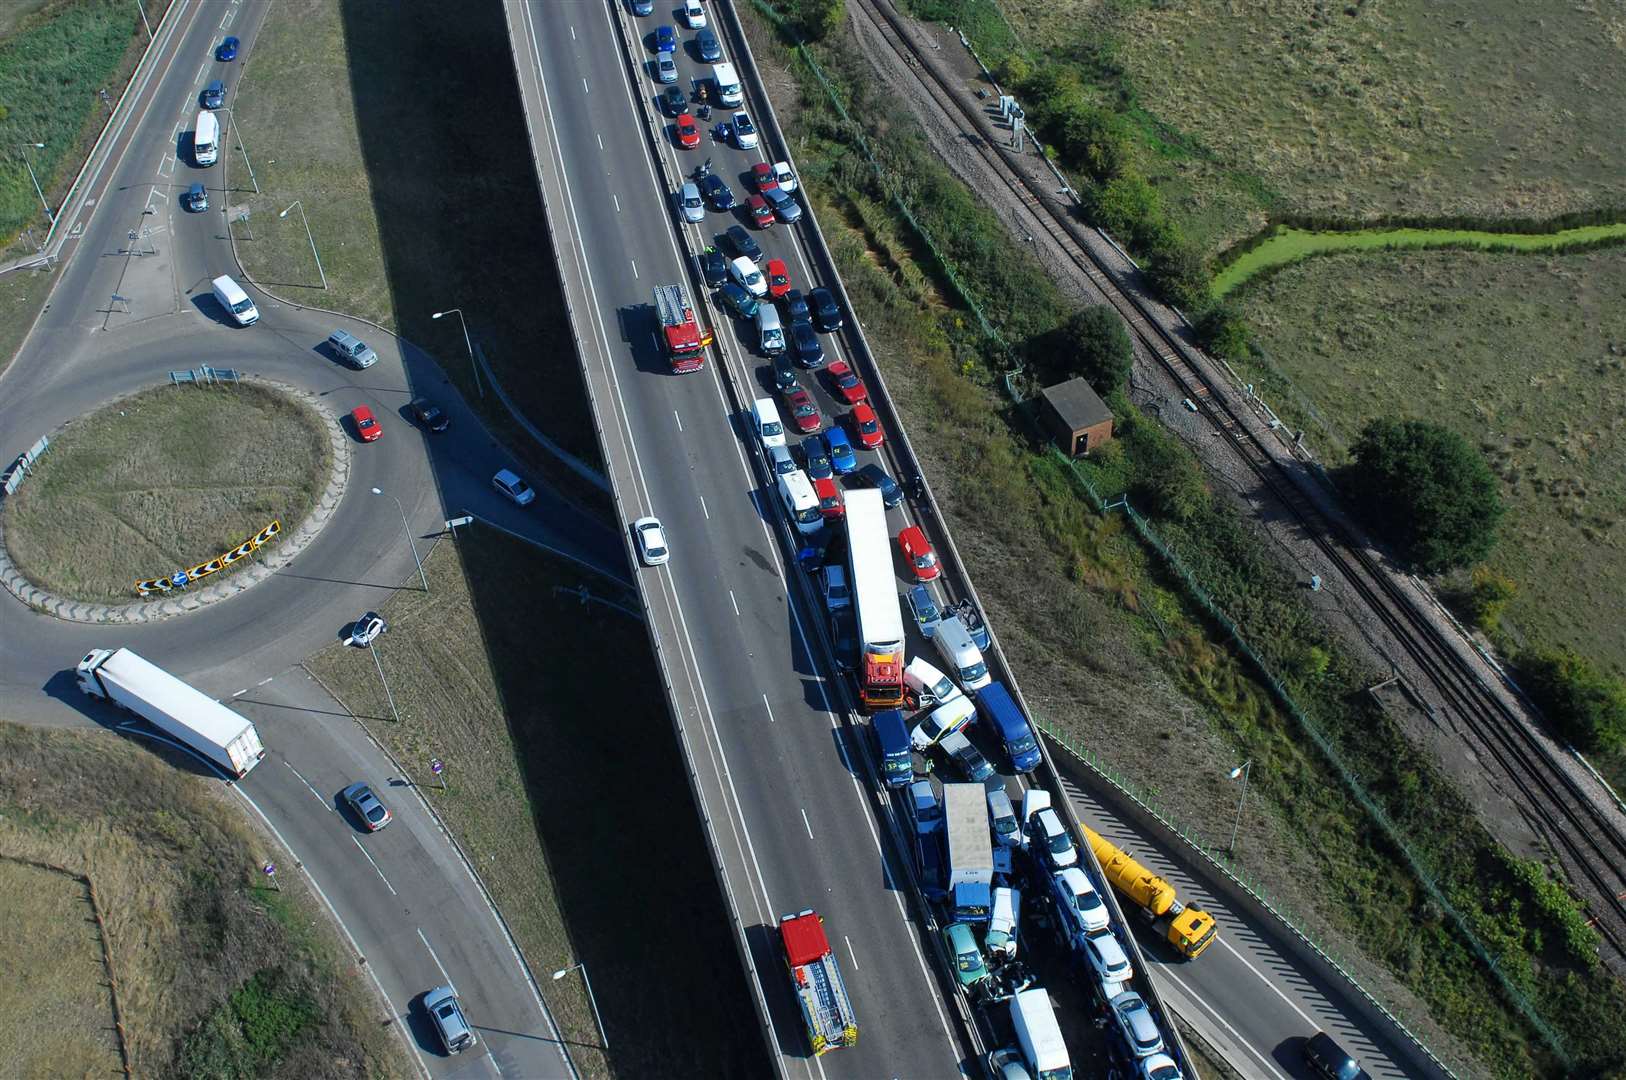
(202, 723)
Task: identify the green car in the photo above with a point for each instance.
(968, 963)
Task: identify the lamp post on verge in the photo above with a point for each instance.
(238, 131)
(379, 664)
(408, 530)
(1242, 771)
(459, 313)
(562, 972)
(300, 203)
(143, 9)
(22, 152)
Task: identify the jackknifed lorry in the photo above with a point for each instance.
(1188, 929)
(827, 1011)
(170, 705)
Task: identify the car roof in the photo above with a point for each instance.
(508, 476)
(914, 534)
(839, 437)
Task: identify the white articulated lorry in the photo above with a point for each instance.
(202, 723)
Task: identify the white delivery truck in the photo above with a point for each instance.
(1039, 1036)
(728, 84)
(206, 138)
(231, 297)
(202, 723)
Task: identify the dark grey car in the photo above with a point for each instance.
(743, 243)
(705, 45)
(826, 312)
(872, 475)
(717, 192)
(214, 95)
(196, 199)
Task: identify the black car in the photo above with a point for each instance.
(784, 375)
(705, 44)
(796, 307)
(214, 95)
(826, 312)
(809, 350)
(429, 415)
(717, 193)
(674, 101)
(713, 267)
(874, 476)
(1323, 1054)
(737, 300)
(743, 242)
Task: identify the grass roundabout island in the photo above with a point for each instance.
(164, 479)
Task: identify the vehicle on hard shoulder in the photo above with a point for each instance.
(1000, 710)
(430, 415)
(845, 383)
(1078, 904)
(782, 174)
(826, 312)
(1323, 1054)
(508, 483)
(1108, 960)
(366, 424)
(866, 426)
(694, 14)
(784, 204)
(727, 84)
(1189, 929)
(1133, 1019)
(918, 553)
(706, 47)
(451, 1026)
(765, 420)
(651, 537)
(674, 102)
(873, 475)
(352, 350)
(713, 267)
(1049, 839)
(780, 461)
(373, 814)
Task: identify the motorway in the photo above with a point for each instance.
(403, 897)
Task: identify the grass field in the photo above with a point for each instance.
(58, 1009)
(54, 57)
(411, 214)
(1419, 106)
(566, 787)
(22, 294)
(217, 976)
(167, 478)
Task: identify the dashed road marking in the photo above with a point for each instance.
(381, 876)
(765, 705)
(808, 825)
(307, 783)
(436, 959)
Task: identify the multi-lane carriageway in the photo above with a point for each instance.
(783, 790)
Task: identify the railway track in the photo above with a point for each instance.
(1588, 844)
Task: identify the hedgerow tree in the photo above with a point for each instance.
(818, 19)
(1587, 707)
(1423, 488)
(1093, 344)
(1223, 331)
(1178, 272)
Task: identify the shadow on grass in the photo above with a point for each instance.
(461, 225)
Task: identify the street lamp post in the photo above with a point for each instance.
(379, 664)
(301, 204)
(237, 130)
(1242, 771)
(29, 165)
(562, 972)
(143, 9)
(408, 530)
(459, 313)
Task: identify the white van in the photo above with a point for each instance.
(946, 719)
(206, 139)
(1038, 1034)
(728, 84)
(230, 296)
(770, 331)
(748, 277)
(765, 418)
(796, 492)
(930, 686)
(964, 659)
(1007, 910)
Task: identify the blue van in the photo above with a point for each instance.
(996, 706)
(892, 736)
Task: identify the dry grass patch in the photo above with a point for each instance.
(164, 479)
(192, 933)
(55, 998)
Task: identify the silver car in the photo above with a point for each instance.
(450, 1024)
(785, 206)
(694, 208)
(666, 68)
(1136, 1025)
(351, 349)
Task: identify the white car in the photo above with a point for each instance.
(1109, 961)
(745, 132)
(1159, 1067)
(508, 482)
(694, 14)
(1033, 800)
(944, 720)
(1006, 916)
(1136, 1025)
(786, 178)
(1046, 831)
(365, 630)
(747, 276)
(1083, 905)
(651, 541)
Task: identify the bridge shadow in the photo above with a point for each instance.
(461, 224)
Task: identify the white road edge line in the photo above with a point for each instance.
(369, 858)
(678, 418)
(851, 951)
(765, 705)
(735, 602)
(1263, 1059)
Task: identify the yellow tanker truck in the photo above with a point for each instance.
(1188, 929)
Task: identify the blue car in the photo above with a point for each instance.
(817, 458)
(925, 610)
(665, 39)
(227, 51)
(841, 451)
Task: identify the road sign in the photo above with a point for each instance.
(179, 579)
(270, 871)
(438, 767)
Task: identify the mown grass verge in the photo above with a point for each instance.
(218, 975)
(1082, 607)
(565, 786)
(161, 480)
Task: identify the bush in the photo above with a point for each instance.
(1586, 707)
(1488, 596)
(1092, 344)
(1164, 477)
(1178, 272)
(1422, 487)
(1224, 332)
(1127, 207)
(818, 19)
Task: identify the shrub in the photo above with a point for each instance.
(1127, 207)
(1177, 270)
(1223, 331)
(1587, 707)
(818, 19)
(1165, 478)
(1093, 344)
(1488, 596)
(1421, 486)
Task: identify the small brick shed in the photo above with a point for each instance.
(1076, 416)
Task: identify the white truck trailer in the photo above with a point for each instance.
(202, 723)
(970, 851)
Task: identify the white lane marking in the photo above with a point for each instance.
(436, 959)
(369, 858)
(735, 602)
(262, 682)
(600, 139)
(806, 824)
(307, 784)
(615, 199)
(497, 1069)
(1273, 987)
(585, 90)
(765, 705)
(243, 691)
(231, 13)
(634, 267)
(572, 33)
(198, 78)
(678, 418)
(850, 951)
(703, 509)
(1198, 998)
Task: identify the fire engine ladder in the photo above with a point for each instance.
(824, 998)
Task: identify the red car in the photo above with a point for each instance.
(830, 503)
(762, 175)
(845, 384)
(778, 278)
(687, 132)
(804, 410)
(761, 212)
(367, 429)
(918, 550)
(866, 426)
